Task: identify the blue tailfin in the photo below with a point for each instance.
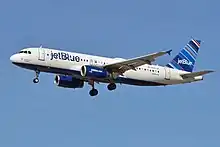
(185, 60)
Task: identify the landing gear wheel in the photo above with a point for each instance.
(111, 86)
(36, 80)
(93, 92)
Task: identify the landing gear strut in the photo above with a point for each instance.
(36, 79)
(111, 86)
(93, 91)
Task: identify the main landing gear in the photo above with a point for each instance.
(111, 86)
(93, 91)
(36, 79)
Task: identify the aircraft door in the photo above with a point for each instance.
(93, 62)
(167, 73)
(41, 54)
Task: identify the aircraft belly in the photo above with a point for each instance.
(143, 76)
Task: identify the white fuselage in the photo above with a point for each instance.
(70, 63)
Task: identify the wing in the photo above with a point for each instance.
(123, 66)
(195, 74)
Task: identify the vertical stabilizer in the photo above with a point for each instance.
(186, 59)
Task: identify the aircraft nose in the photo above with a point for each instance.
(13, 58)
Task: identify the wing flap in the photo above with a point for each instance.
(195, 74)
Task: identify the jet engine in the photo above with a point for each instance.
(68, 82)
(93, 72)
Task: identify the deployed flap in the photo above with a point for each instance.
(134, 62)
(195, 74)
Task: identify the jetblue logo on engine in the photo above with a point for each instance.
(184, 62)
(95, 70)
(64, 56)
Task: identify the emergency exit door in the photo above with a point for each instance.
(41, 54)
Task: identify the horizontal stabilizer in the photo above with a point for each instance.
(195, 74)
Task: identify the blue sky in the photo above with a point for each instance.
(45, 115)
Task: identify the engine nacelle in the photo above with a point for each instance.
(68, 82)
(93, 72)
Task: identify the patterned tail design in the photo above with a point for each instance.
(185, 60)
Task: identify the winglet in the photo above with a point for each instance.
(169, 52)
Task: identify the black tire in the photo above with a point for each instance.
(36, 80)
(111, 86)
(93, 92)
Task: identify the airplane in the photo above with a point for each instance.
(74, 69)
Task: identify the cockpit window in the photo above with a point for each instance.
(26, 52)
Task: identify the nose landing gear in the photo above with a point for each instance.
(36, 79)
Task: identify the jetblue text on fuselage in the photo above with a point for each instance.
(64, 56)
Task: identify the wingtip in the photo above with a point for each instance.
(211, 71)
(169, 52)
